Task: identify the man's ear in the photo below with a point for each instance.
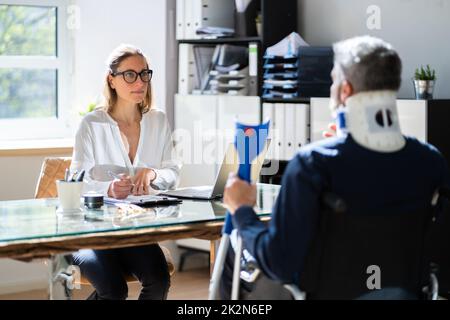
(346, 91)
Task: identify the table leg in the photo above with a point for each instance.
(214, 245)
(61, 277)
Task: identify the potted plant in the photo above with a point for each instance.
(424, 81)
(91, 107)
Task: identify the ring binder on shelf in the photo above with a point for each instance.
(212, 17)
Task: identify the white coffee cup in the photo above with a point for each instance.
(69, 194)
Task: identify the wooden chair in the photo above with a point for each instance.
(53, 169)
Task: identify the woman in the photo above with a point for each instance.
(127, 135)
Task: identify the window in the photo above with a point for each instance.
(34, 62)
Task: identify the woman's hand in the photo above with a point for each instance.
(120, 188)
(331, 131)
(142, 181)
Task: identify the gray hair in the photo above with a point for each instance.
(368, 63)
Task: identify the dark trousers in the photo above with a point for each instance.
(106, 270)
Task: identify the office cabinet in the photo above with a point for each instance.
(212, 117)
(204, 127)
(412, 115)
(290, 128)
(278, 21)
(195, 124)
(426, 120)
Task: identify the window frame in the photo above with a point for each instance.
(58, 126)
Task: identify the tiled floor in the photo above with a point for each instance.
(187, 285)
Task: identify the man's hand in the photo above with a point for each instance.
(120, 188)
(331, 131)
(238, 193)
(142, 181)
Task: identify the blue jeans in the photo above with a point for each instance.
(106, 270)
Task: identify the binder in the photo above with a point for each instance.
(268, 114)
(302, 135)
(189, 7)
(180, 16)
(197, 18)
(186, 69)
(279, 125)
(253, 69)
(195, 14)
(289, 128)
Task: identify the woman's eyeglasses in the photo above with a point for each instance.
(130, 76)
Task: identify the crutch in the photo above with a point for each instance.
(249, 142)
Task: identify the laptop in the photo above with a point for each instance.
(229, 164)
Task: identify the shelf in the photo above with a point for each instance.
(280, 100)
(221, 40)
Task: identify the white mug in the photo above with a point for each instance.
(69, 194)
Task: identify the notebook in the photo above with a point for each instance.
(145, 200)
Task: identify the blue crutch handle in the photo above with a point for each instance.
(249, 141)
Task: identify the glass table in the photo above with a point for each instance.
(31, 229)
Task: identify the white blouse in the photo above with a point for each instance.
(99, 148)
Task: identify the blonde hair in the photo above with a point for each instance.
(112, 63)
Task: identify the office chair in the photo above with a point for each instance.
(346, 249)
(53, 169)
(353, 251)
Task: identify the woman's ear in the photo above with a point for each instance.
(111, 82)
(346, 91)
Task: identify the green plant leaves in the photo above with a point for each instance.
(426, 74)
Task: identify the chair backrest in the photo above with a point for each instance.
(52, 169)
(351, 252)
(438, 246)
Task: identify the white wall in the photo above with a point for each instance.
(22, 174)
(104, 25)
(418, 29)
(107, 23)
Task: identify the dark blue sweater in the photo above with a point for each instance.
(367, 181)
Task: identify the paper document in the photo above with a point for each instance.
(280, 82)
(215, 31)
(280, 75)
(287, 47)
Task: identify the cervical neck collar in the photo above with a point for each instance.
(372, 120)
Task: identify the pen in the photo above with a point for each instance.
(116, 176)
(80, 176)
(66, 174)
(72, 176)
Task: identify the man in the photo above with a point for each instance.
(370, 164)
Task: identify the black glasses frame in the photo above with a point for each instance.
(136, 74)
